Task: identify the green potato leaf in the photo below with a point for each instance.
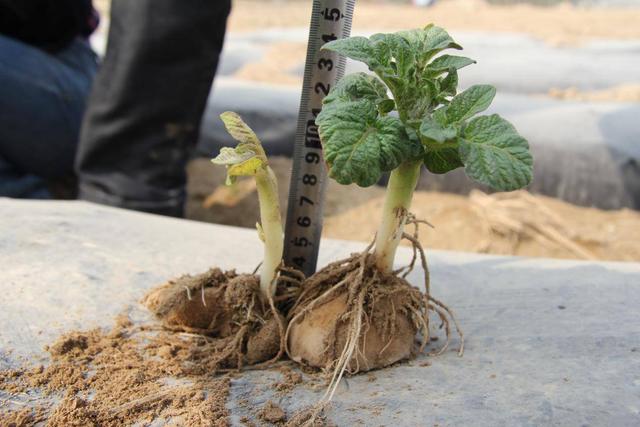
(431, 129)
(443, 158)
(381, 52)
(394, 54)
(470, 102)
(386, 106)
(440, 116)
(359, 143)
(357, 86)
(362, 138)
(495, 154)
(449, 84)
(445, 62)
(357, 48)
(441, 151)
(428, 41)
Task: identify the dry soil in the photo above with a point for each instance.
(504, 223)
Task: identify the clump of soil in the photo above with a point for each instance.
(290, 379)
(228, 309)
(125, 376)
(191, 302)
(310, 417)
(272, 413)
(23, 417)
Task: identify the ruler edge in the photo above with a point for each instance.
(298, 148)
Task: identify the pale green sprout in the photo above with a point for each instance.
(249, 159)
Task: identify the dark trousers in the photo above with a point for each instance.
(147, 101)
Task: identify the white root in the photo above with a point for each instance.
(353, 277)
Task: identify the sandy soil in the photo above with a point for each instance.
(562, 24)
(278, 66)
(620, 93)
(130, 375)
(504, 223)
(513, 224)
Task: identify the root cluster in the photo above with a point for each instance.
(374, 301)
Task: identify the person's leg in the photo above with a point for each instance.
(21, 185)
(147, 102)
(41, 107)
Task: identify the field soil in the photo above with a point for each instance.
(620, 93)
(518, 224)
(560, 24)
(129, 375)
(503, 223)
(563, 23)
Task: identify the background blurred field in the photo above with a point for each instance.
(518, 224)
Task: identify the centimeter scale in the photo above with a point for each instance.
(330, 20)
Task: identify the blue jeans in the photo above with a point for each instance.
(42, 101)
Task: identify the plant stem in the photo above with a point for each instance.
(399, 194)
(271, 222)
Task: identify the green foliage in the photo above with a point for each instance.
(494, 153)
(360, 140)
(363, 137)
(445, 62)
(472, 101)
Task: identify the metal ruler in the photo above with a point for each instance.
(330, 20)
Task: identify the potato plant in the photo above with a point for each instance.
(249, 159)
(359, 313)
(435, 126)
(238, 310)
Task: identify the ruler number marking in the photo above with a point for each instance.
(321, 87)
(309, 179)
(311, 137)
(304, 200)
(312, 157)
(329, 37)
(332, 15)
(301, 241)
(304, 221)
(324, 63)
